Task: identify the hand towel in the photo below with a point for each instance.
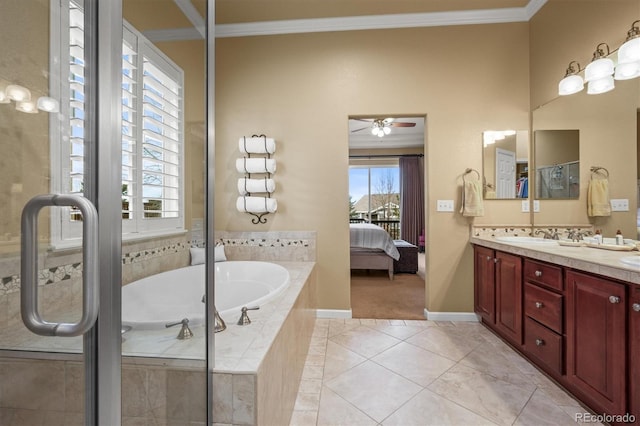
(246, 185)
(256, 165)
(256, 205)
(472, 198)
(257, 145)
(598, 203)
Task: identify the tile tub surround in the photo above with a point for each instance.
(258, 367)
(297, 246)
(598, 261)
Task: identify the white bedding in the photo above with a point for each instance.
(366, 235)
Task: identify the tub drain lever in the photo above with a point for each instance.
(185, 331)
(244, 317)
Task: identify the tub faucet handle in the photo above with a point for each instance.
(244, 317)
(185, 331)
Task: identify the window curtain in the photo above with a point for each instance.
(411, 198)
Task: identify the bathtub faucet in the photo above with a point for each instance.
(185, 331)
(218, 324)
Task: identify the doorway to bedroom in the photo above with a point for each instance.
(386, 216)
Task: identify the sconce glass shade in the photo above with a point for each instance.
(27, 106)
(570, 85)
(598, 69)
(629, 51)
(4, 99)
(17, 93)
(48, 104)
(627, 70)
(602, 85)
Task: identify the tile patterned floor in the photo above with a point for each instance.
(393, 372)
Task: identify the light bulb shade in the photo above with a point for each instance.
(629, 51)
(48, 104)
(17, 93)
(570, 85)
(598, 69)
(27, 106)
(386, 130)
(602, 85)
(4, 99)
(627, 71)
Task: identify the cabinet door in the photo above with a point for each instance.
(508, 278)
(484, 287)
(634, 352)
(596, 333)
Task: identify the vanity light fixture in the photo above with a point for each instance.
(572, 82)
(27, 106)
(47, 104)
(629, 55)
(4, 99)
(599, 73)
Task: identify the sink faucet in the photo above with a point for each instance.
(548, 235)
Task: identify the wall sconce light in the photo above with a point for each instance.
(629, 55)
(27, 106)
(47, 104)
(599, 73)
(572, 82)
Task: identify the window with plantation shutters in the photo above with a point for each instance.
(152, 132)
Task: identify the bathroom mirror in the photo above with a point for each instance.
(505, 164)
(557, 164)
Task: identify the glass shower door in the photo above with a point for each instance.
(46, 272)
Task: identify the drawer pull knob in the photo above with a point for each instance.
(539, 305)
(636, 307)
(539, 342)
(614, 299)
(538, 273)
(488, 258)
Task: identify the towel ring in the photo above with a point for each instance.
(599, 170)
(469, 170)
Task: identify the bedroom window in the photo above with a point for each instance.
(152, 131)
(374, 196)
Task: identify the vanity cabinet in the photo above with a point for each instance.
(634, 352)
(596, 341)
(544, 315)
(498, 291)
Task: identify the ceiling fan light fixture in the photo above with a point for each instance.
(386, 130)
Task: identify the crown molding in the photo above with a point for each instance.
(354, 23)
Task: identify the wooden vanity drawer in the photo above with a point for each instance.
(544, 345)
(543, 274)
(544, 306)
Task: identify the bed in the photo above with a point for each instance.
(372, 248)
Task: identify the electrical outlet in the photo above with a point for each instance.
(620, 205)
(536, 206)
(444, 205)
(525, 206)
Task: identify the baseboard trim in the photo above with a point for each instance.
(451, 316)
(334, 313)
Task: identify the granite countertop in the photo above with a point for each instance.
(595, 260)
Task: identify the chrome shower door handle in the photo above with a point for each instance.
(29, 266)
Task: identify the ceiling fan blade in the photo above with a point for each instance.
(366, 120)
(402, 124)
(362, 128)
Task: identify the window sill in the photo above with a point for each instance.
(75, 245)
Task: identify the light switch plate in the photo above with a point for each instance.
(619, 205)
(444, 205)
(536, 206)
(525, 206)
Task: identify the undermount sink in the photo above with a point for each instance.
(631, 260)
(525, 240)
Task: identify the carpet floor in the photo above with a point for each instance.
(373, 295)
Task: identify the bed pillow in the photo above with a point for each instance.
(198, 254)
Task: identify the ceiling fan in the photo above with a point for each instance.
(382, 126)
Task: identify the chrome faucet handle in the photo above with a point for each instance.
(244, 317)
(185, 331)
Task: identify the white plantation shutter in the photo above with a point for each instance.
(152, 133)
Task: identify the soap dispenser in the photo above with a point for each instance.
(619, 238)
(598, 237)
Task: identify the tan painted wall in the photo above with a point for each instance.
(301, 89)
(563, 31)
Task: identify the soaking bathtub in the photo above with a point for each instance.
(167, 297)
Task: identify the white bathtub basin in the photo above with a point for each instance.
(525, 240)
(631, 260)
